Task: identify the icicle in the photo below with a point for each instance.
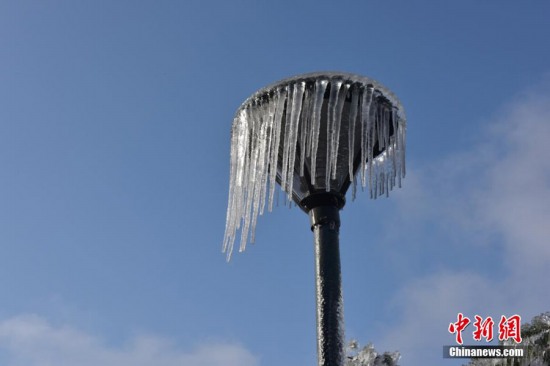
(401, 130)
(296, 109)
(239, 144)
(269, 109)
(230, 227)
(354, 188)
(305, 130)
(261, 168)
(392, 148)
(251, 171)
(372, 139)
(351, 133)
(286, 143)
(332, 101)
(277, 122)
(337, 124)
(320, 88)
(365, 131)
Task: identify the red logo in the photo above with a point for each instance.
(461, 324)
(484, 328)
(508, 328)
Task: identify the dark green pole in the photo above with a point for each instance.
(325, 224)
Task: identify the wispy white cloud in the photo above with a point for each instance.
(498, 195)
(518, 201)
(30, 340)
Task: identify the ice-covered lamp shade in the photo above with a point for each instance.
(312, 134)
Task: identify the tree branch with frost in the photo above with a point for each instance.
(367, 356)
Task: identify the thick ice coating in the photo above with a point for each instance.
(312, 133)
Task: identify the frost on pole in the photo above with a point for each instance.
(312, 133)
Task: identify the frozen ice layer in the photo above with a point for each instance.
(312, 133)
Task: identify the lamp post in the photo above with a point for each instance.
(315, 135)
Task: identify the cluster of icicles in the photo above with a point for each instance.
(272, 123)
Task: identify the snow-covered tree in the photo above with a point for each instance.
(535, 339)
(367, 356)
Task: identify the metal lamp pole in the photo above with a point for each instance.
(315, 135)
(324, 214)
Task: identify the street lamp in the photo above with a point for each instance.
(315, 135)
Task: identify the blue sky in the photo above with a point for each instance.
(114, 163)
